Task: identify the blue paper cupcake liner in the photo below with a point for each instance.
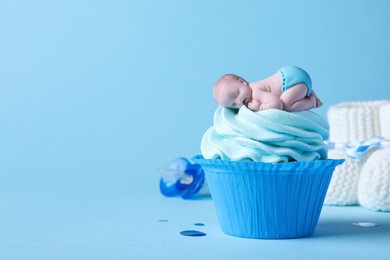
(266, 200)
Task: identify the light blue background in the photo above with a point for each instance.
(95, 95)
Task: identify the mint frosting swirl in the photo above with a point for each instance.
(273, 136)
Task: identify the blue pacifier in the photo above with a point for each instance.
(181, 178)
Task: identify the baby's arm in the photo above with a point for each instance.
(263, 100)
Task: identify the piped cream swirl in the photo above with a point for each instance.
(265, 136)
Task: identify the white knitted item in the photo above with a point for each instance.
(384, 115)
(354, 121)
(374, 183)
(343, 186)
(350, 121)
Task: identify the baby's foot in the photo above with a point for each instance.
(313, 100)
(318, 102)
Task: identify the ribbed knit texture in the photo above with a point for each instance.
(351, 121)
(384, 115)
(374, 183)
(354, 121)
(344, 184)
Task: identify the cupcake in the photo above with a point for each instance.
(267, 171)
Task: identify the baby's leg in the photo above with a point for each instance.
(293, 94)
(306, 103)
(303, 104)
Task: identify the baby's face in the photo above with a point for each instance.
(232, 91)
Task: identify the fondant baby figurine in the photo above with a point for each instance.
(288, 89)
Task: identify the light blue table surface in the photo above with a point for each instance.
(107, 218)
(95, 95)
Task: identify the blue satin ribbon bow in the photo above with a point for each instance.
(357, 150)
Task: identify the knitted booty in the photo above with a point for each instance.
(374, 183)
(355, 121)
(342, 189)
(350, 121)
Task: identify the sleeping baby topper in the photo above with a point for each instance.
(288, 89)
